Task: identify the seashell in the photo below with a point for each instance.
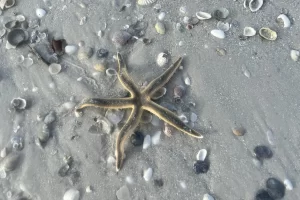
(2, 32)
(137, 138)
(207, 197)
(161, 16)
(123, 193)
(186, 19)
(201, 167)
(295, 55)
(183, 185)
(44, 135)
(270, 136)
(162, 59)
(17, 36)
(2, 4)
(263, 152)
(70, 49)
(3, 152)
(159, 93)
(224, 26)
(238, 131)
(249, 31)
(71, 194)
(100, 66)
(284, 20)
(111, 160)
(18, 103)
(27, 62)
(288, 184)
(221, 51)
(145, 2)
(9, 3)
(187, 80)
(156, 138)
(168, 130)
(17, 143)
(218, 33)
(268, 34)
(183, 118)
(148, 174)
(114, 116)
(246, 3)
(85, 53)
(101, 53)
(120, 38)
(193, 117)
(221, 13)
(178, 92)
(255, 5)
(40, 13)
(111, 72)
(63, 171)
(275, 188)
(54, 68)
(11, 24)
(20, 18)
(146, 117)
(88, 189)
(147, 142)
(10, 162)
(203, 15)
(201, 155)
(160, 28)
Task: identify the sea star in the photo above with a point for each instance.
(138, 101)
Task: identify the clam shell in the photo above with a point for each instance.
(207, 197)
(284, 20)
(17, 36)
(100, 67)
(146, 117)
(148, 174)
(123, 193)
(20, 18)
(120, 38)
(111, 72)
(71, 194)
(10, 162)
(221, 13)
(145, 2)
(238, 131)
(295, 55)
(203, 15)
(70, 49)
(249, 31)
(159, 93)
(18, 103)
(161, 16)
(44, 135)
(246, 3)
(3, 152)
(162, 59)
(156, 138)
(168, 130)
(54, 68)
(178, 91)
(85, 53)
(255, 5)
(288, 184)
(224, 26)
(160, 28)
(201, 155)
(218, 33)
(268, 34)
(40, 13)
(10, 3)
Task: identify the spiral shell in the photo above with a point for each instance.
(162, 59)
(145, 2)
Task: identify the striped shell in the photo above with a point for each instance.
(145, 2)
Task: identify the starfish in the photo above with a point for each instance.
(138, 102)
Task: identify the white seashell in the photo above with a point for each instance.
(19, 103)
(183, 118)
(147, 142)
(159, 93)
(183, 184)
(246, 3)
(285, 20)
(3, 152)
(161, 16)
(2, 174)
(295, 55)
(88, 189)
(247, 73)
(9, 3)
(148, 174)
(224, 26)
(145, 2)
(110, 161)
(288, 184)
(208, 197)
(156, 138)
(10, 162)
(70, 49)
(20, 18)
(111, 72)
(270, 137)
(249, 31)
(160, 28)
(129, 179)
(187, 80)
(186, 19)
(162, 59)
(71, 194)
(218, 33)
(201, 155)
(255, 5)
(257, 163)
(40, 13)
(27, 62)
(183, 10)
(203, 15)
(54, 68)
(193, 117)
(123, 193)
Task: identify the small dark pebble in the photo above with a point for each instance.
(158, 182)
(263, 152)
(102, 53)
(201, 166)
(63, 171)
(263, 195)
(137, 138)
(275, 188)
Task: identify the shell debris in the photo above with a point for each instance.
(268, 33)
(148, 174)
(145, 2)
(162, 59)
(218, 33)
(284, 21)
(249, 31)
(160, 28)
(295, 55)
(203, 15)
(255, 5)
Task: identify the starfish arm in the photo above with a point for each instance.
(114, 103)
(160, 81)
(124, 134)
(171, 119)
(124, 78)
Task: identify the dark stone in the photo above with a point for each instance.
(263, 195)
(102, 53)
(275, 188)
(201, 166)
(137, 138)
(158, 182)
(263, 152)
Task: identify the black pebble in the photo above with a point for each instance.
(263, 152)
(137, 138)
(201, 166)
(275, 188)
(263, 195)
(102, 53)
(158, 182)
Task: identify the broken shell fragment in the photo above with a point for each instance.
(255, 5)
(120, 38)
(294, 55)
(224, 26)
(17, 36)
(10, 162)
(159, 93)
(221, 13)
(148, 174)
(179, 91)
(284, 21)
(249, 31)
(162, 59)
(203, 15)
(111, 72)
(238, 131)
(40, 13)
(201, 155)
(9, 3)
(70, 49)
(218, 33)
(44, 134)
(160, 28)
(268, 34)
(54, 68)
(145, 2)
(20, 18)
(71, 194)
(146, 117)
(18, 103)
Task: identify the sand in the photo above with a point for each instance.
(266, 100)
